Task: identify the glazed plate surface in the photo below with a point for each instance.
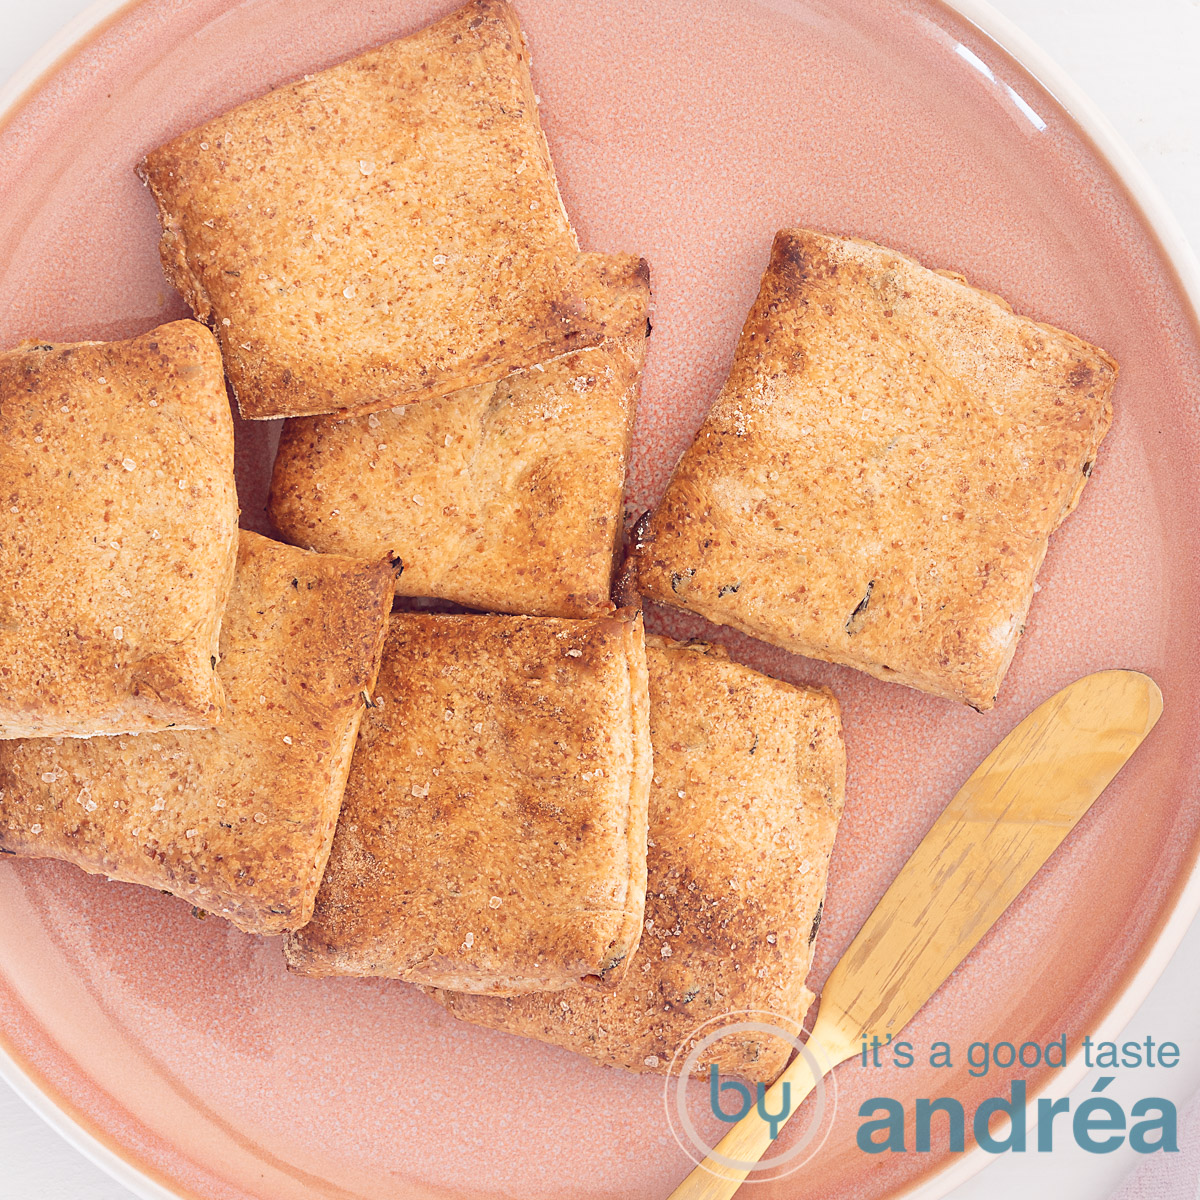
(688, 133)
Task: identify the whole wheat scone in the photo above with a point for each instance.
(118, 533)
(749, 781)
(384, 231)
(876, 483)
(238, 819)
(505, 497)
(493, 835)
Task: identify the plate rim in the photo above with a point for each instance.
(1156, 949)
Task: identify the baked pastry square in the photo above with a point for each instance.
(238, 819)
(749, 781)
(877, 480)
(505, 497)
(385, 231)
(493, 836)
(118, 533)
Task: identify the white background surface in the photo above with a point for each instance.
(1138, 60)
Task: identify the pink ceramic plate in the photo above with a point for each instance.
(178, 1052)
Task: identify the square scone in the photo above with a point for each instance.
(238, 819)
(749, 782)
(118, 533)
(505, 497)
(493, 835)
(384, 231)
(876, 482)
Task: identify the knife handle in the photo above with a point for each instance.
(750, 1138)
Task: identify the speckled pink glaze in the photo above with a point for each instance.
(686, 132)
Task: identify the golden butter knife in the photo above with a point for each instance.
(990, 841)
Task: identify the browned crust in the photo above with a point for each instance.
(239, 819)
(493, 832)
(385, 231)
(878, 479)
(505, 497)
(118, 533)
(749, 781)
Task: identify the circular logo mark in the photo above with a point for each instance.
(772, 1108)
